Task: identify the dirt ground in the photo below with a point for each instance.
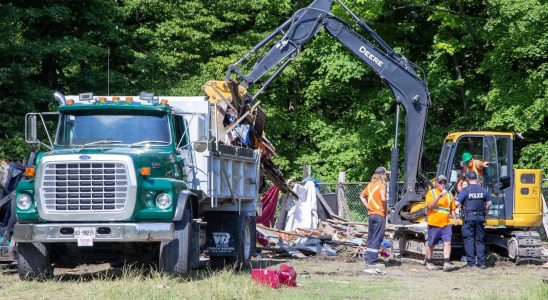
(318, 278)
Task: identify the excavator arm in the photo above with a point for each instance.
(409, 89)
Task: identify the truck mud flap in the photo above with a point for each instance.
(222, 234)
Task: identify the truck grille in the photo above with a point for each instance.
(85, 186)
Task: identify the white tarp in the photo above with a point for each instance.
(304, 214)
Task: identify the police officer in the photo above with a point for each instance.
(475, 204)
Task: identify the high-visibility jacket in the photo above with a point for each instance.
(373, 194)
(439, 215)
(475, 167)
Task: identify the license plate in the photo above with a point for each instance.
(85, 236)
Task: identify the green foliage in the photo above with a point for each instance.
(486, 64)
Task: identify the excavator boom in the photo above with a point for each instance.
(409, 89)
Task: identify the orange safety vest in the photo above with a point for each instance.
(374, 201)
(478, 171)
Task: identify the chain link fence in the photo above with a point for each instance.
(351, 207)
(348, 196)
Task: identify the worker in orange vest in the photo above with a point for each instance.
(374, 198)
(440, 205)
(471, 165)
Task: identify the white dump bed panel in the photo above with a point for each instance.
(220, 172)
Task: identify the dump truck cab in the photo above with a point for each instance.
(134, 179)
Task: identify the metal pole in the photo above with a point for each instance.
(108, 71)
(393, 191)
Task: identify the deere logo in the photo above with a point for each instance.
(370, 56)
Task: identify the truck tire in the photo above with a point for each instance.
(175, 254)
(246, 245)
(33, 261)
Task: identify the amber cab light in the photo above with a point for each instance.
(70, 101)
(145, 171)
(102, 99)
(163, 101)
(115, 99)
(29, 172)
(129, 99)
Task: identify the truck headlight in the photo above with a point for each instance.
(163, 201)
(24, 202)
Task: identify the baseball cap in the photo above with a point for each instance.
(441, 178)
(472, 175)
(381, 170)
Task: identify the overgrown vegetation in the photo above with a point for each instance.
(486, 63)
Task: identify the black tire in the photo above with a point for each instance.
(175, 255)
(246, 245)
(33, 261)
(116, 264)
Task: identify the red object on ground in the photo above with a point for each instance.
(275, 278)
(270, 202)
(384, 252)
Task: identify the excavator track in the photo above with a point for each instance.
(409, 241)
(525, 246)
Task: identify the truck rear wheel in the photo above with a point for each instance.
(33, 261)
(175, 254)
(245, 246)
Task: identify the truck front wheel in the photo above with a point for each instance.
(33, 261)
(175, 254)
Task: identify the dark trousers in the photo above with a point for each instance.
(473, 233)
(375, 236)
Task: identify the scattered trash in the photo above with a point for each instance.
(374, 272)
(162, 286)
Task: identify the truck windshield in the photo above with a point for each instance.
(91, 128)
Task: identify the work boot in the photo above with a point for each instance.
(431, 266)
(469, 267)
(448, 267)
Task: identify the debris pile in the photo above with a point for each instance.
(301, 231)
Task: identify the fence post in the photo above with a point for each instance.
(307, 171)
(341, 197)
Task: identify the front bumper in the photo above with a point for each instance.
(106, 232)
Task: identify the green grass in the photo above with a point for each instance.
(317, 279)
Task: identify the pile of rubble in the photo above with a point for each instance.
(308, 224)
(333, 236)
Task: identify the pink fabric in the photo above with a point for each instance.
(276, 278)
(270, 202)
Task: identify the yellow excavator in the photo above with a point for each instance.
(515, 193)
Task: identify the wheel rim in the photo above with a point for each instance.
(513, 248)
(247, 242)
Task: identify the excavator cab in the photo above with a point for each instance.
(499, 178)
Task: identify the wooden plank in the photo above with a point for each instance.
(280, 243)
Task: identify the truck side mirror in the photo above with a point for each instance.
(31, 135)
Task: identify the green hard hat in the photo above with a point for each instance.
(466, 156)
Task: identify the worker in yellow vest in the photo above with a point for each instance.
(374, 198)
(440, 205)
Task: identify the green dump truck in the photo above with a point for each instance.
(134, 179)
